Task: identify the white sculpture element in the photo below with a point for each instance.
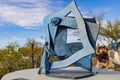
(117, 57)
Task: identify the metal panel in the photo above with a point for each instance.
(60, 46)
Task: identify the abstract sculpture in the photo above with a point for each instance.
(77, 53)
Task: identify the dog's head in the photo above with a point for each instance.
(102, 54)
(102, 49)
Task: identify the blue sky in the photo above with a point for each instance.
(23, 19)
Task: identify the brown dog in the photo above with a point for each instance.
(103, 60)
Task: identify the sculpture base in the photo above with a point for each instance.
(71, 74)
(32, 74)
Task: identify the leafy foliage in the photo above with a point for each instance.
(111, 30)
(13, 57)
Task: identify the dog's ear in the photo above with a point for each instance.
(97, 51)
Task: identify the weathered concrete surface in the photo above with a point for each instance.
(32, 74)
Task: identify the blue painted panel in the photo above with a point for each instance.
(52, 33)
(60, 46)
(85, 63)
(115, 46)
(74, 47)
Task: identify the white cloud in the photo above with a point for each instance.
(4, 42)
(72, 37)
(24, 13)
(40, 40)
(104, 23)
(16, 38)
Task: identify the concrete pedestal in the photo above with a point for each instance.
(32, 74)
